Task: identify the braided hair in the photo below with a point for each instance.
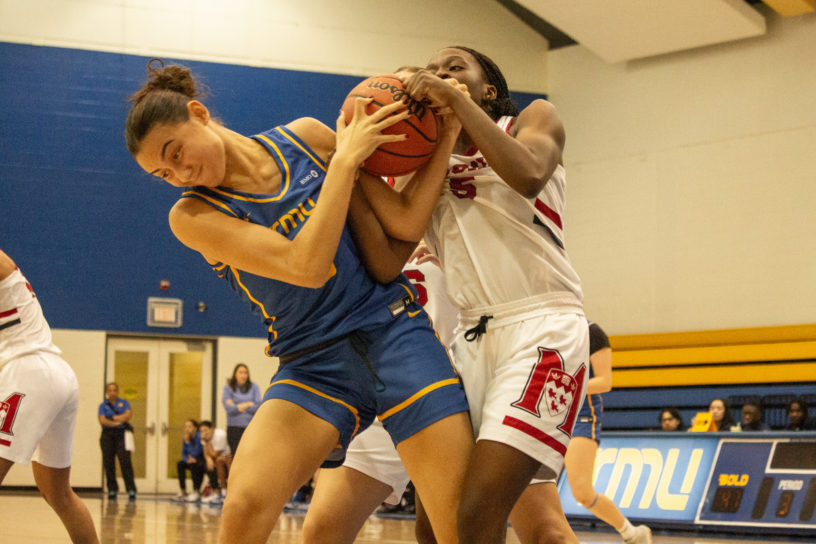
(502, 104)
(162, 100)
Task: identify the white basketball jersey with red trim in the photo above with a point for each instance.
(429, 281)
(497, 246)
(23, 328)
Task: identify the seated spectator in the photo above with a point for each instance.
(671, 420)
(721, 418)
(798, 419)
(192, 459)
(218, 458)
(752, 417)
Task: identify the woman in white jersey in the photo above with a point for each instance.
(522, 345)
(39, 397)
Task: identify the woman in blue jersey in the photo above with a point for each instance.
(268, 213)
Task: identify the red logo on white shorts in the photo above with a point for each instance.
(8, 413)
(559, 390)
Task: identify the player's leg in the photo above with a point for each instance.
(343, 500)
(5, 466)
(55, 487)
(436, 459)
(497, 475)
(579, 463)
(424, 409)
(422, 529)
(537, 517)
(281, 448)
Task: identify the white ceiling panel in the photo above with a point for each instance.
(619, 30)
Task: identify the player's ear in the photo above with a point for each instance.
(489, 93)
(199, 111)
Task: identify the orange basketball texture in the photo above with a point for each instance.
(395, 158)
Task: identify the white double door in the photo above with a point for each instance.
(166, 383)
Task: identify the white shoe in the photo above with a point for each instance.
(213, 498)
(180, 496)
(193, 497)
(643, 535)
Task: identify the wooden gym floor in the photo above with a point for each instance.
(26, 518)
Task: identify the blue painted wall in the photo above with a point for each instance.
(85, 225)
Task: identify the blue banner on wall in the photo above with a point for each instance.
(650, 477)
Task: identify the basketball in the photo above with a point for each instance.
(395, 158)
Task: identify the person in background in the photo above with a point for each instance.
(114, 415)
(798, 419)
(671, 420)
(40, 401)
(241, 398)
(218, 457)
(752, 417)
(720, 415)
(192, 459)
(583, 448)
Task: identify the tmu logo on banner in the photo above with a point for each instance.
(649, 477)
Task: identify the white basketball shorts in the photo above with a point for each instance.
(526, 376)
(39, 397)
(373, 453)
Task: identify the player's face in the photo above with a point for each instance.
(717, 409)
(668, 422)
(464, 68)
(184, 154)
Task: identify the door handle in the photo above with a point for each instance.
(151, 429)
(164, 428)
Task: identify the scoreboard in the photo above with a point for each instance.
(762, 483)
(712, 480)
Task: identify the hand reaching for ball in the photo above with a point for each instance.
(359, 138)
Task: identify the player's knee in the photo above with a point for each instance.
(585, 496)
(60, 500)
(475, 518)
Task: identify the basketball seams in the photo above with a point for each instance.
(406, 121)
(405, 156)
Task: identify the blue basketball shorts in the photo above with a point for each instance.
(398, 372)
(588, 424)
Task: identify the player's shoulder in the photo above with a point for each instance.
(539, 112)
(314, 133)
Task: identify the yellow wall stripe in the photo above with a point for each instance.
(754, 335)
(712, 375)
(784, 351)
(416, 396)
(351, 408)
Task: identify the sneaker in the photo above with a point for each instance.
(131, 495)
(180, 496)
(112, 495)
(643, 535)
(213, 498)
(193, 497)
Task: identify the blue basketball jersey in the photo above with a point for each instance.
(298, 317)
